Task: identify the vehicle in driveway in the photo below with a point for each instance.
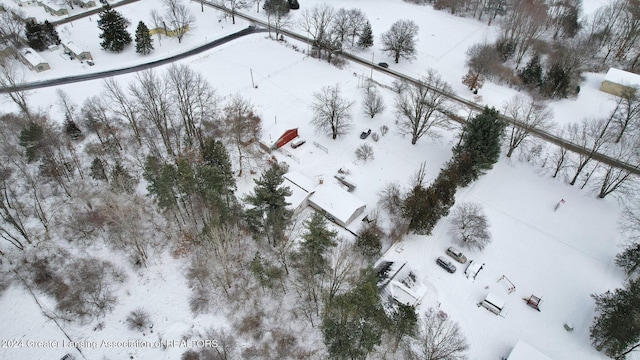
(297, 142)
(456, 255)
(383, 64)
(365, 134)
(446, 264)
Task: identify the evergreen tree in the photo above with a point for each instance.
(52, 33)
(71, 129)
(97, 169)
(269, 215)
(317, 239)
(366, 37)
(532, 72)
(144, 42)
(629, 259)
(616, 329)
(36, 35)
(31, 138)
(114, 30)
(354, 321)
(481, 143)
(403, 321)
(216, 182)
(556, 82)
(369, 241)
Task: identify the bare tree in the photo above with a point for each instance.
(616, 28)
(592, 135)
(179, 17)
(277, 14)
(390, 198)
(357, 21)
(196, 101)
(483, 61)
(120, 104)
(364, 152)
(530, 114)
(317, 21)
(234, 6)
(564, 16)
(341, 24)
(98, 118)
(523, 25)
(400, 40)
(331, 112)
(154, 104)
(11, 75)
(617, 179)
(423, 107)
(469, 226)
(626, 115)
(241, 125)
(158, 22)
(67, 104)
(372, 103)
(12, 25)
(439, 338)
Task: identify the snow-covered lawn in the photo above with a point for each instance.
(562, 256)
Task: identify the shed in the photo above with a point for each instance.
(338, 205)
(76, 51)
(524, 351)
(400, 283)
(33, 60)
(618, 82)
(286, 137)
(493, 303)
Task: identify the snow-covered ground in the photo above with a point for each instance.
(562, 256)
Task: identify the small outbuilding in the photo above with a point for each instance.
(54, 7)
(619, 82)
(33, 60)
(524, 351)
(286, 137)
(493, 303)
(398, 282)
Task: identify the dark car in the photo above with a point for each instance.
(383, 64)
(294, 5)
(365, 134)
(446, 264)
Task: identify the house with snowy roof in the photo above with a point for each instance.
(619, 82)
(54, 7)
(331, 200)
(33, 60)
(399, 282)
(524, 351)
(76, 51)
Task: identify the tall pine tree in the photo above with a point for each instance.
(144, 43)
(481, 143)
(36, 36)
(114, 30)
(366, 37)
(52, 34)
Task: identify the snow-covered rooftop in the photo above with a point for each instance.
(403, 284)
(622, 77)
(73, 47)
(336, 201)
(300, 180)
(32, 56)
(524, 351)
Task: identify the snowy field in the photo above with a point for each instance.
(562, 256)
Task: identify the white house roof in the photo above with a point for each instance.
(73, 47)
(298, 194)
(300, 180)
(336, 201)
(404, 286)
(524, 351)
(54, 4)
(622, 77)
(32, 57)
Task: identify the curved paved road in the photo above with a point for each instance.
(108, 73)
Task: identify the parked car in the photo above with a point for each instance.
(297, 142)
(456, 255)
(383, 64)
(365, 134)
(446, 264)
(294, 5)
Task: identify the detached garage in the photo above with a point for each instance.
(618, 82)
